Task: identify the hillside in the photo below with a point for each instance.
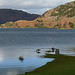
(62, 17)
(7, 15)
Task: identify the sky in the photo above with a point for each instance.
(32, 6)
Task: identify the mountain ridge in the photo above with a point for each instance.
(7, 15)
(61, 17)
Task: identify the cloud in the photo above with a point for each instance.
(32, 6)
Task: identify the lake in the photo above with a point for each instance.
(25, 42)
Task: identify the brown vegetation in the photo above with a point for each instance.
(62, 16)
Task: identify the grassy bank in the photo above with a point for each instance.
(63, 65)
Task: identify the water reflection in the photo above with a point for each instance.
(68, 51)
(11, 64)
(11, 72)
(18, 60)
(38, 52)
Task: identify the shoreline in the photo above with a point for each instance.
(62, 65)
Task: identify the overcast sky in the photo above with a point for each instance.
(32, 6)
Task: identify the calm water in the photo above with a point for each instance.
(25, 42)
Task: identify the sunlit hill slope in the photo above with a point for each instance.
(62, 16)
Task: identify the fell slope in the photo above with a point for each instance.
(7, 15)
(62, 17)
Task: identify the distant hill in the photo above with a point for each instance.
(7, 15)
(61, 17)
